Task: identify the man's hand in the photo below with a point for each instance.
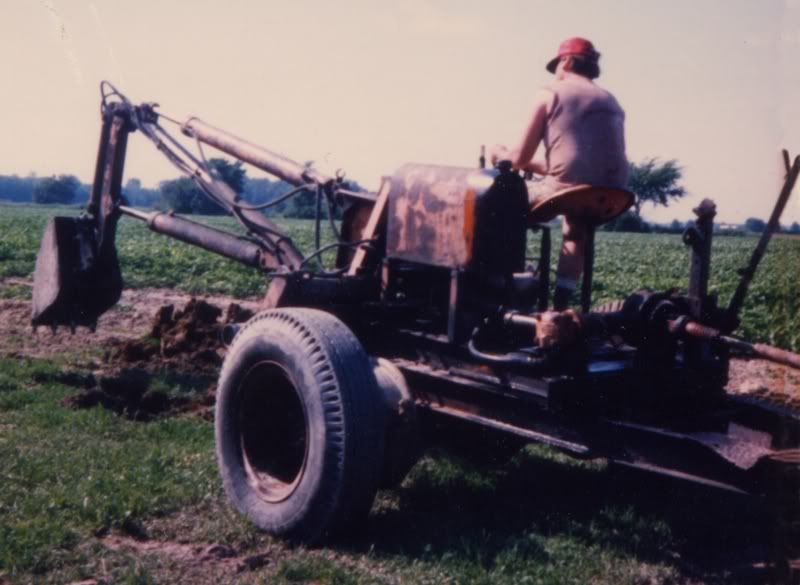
(499, 152)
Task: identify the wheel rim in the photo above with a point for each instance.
(274, 431)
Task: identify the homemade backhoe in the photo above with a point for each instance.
(431, 324)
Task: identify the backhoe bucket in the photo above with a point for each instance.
(73, 283)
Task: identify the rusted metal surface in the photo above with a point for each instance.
(430, 214)
(776, 354)
(77, 276)
(376, 219)
(72, 286)
(457, 218)
(107, 187)
(762, 350)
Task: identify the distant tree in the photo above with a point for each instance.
(676, 226)
(232, 173)
(183, 196)
(14, 188)
(655, 182)
(140, 196)
(629, 221)
(263, 190)
(794, 228)
(753, 224)
(60, 189)
(302, 205)
(132, 187)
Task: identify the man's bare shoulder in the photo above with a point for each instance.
(544, 98)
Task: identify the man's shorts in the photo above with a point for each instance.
(545, 186)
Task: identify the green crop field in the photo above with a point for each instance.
(70, 478)
(624, 263)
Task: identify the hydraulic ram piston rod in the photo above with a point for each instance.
(275, 164)
(197, 234)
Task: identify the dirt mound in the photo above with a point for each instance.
(130, 318)
(183, 348)
(766, 382)
(189, 338)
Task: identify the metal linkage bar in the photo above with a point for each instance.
(750, 270)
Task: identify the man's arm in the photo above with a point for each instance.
(522, 157)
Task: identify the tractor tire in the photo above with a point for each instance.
(299, 425)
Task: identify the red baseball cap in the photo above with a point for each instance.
(574, 46)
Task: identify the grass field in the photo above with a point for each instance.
(70, 478)
(624, 263)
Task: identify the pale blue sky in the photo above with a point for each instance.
(367, 86)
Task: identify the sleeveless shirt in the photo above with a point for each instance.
(584, 137)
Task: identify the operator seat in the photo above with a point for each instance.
(597, 205)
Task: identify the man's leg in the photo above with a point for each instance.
(574, 234)
(570, 262)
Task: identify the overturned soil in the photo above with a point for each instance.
(151, 342)
(130, 318)
(182, 347)
(766, 382)
(189, 338)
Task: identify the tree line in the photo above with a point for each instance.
(55, 189)
(181, 195)
(652, 181)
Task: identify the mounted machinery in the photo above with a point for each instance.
(432, 324)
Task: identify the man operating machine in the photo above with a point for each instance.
(581, 127)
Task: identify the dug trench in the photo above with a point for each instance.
(183, 348)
